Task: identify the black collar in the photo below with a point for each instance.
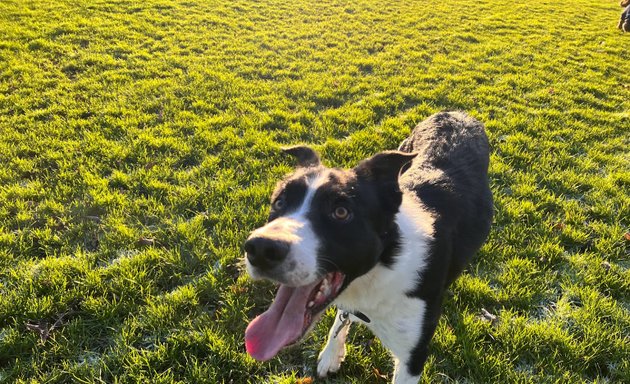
(361, 316)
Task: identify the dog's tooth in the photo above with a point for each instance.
(310, 304)
(319, 295)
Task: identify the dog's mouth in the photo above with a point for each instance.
(290, 316)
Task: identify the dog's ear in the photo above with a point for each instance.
(305, 156)
(384, 166)
(381, 172)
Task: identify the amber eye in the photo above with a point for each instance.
(341, 213)
(279, 204)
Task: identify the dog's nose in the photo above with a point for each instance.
(265, 253)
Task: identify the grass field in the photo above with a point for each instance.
(139, 142)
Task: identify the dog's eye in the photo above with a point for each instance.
(279, 204)
(341, 214)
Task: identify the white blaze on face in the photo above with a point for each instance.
(300, 266)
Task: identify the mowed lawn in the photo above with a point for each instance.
(139, 143)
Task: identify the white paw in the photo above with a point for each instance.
(330, 359)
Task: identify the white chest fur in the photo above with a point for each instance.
(381, 294)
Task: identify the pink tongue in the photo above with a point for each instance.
(280, 325)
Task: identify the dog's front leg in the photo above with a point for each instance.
(402, 375)
(409, 361)
(334, 352)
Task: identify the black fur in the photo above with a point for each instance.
(305, 156)
(291, 192)
(450, 179)
(624, 21)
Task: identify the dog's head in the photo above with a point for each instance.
(326, 228)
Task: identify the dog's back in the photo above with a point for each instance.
(449, 177)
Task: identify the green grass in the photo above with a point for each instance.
(139, 143)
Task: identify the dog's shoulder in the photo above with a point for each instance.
(395, 279)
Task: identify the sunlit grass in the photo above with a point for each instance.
(139, 143)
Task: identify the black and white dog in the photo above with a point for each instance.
(624, 21)
(381, 241)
